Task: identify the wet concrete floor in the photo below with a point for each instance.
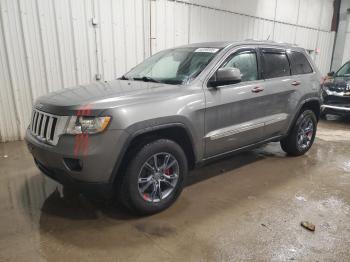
(246, 207)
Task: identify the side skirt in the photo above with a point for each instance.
(210, 159)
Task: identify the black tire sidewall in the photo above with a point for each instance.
(135, 201)
(305, 114)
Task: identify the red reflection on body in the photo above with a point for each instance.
(81, 143)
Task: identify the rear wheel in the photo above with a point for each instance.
(154, 177)
(302, 135)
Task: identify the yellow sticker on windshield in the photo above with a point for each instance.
(206, 50)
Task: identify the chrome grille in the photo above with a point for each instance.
(47, 127)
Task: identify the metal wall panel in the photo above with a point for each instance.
(83, 40)
(325, 43)
(120, 21)
(346, 55)
(9, 117)
(17, 63)
(66, 43)
(211, 24)
(49, 45)
(285, 33)
(134, 32)
(306, 38)
(208, 24)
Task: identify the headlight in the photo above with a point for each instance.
(87, 124)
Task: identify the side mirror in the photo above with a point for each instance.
(225, 76)
(330, 74)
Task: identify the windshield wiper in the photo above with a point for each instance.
(146, 79)
(123, 78)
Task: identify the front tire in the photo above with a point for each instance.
(302, 135)
(154, 177)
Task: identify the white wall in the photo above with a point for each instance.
(49, 45)
(309, 13)
(342, 44)
(346, 53)
(243, 19)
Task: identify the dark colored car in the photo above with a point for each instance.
(336, 92)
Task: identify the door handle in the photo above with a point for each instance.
(295, 83)
(257, 89)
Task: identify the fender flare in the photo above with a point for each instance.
(301, 105)
(144, 127)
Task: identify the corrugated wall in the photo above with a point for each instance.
(46, 45)
(177, 22)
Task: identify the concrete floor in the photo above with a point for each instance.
(246, 207)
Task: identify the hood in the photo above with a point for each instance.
(338, 84)
(103, 95)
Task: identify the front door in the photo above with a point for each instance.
(235, 113)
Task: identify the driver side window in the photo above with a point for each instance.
(246, 62)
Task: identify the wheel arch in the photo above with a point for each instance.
(177, 132)
(312, 104)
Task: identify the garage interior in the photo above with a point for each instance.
(244, 207)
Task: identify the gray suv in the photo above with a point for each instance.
(136, 137)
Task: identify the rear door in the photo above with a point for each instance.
(303, 76)
(280, 90)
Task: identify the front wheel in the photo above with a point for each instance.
(154, 177)
(302, 135)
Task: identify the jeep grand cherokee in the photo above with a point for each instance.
(139, 135)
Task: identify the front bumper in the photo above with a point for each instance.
(335, 109)
(335, 103)
(98, 159)
(101, 189)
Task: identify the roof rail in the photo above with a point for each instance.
(269, 42)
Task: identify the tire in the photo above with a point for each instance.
(150, 201)
(294, 147)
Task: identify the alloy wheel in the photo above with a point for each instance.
(305, 133)
(158, 177)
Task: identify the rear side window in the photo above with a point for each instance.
(299, 64)
(275, 64)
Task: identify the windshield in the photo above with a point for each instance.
(344, 71)
(173, 66)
